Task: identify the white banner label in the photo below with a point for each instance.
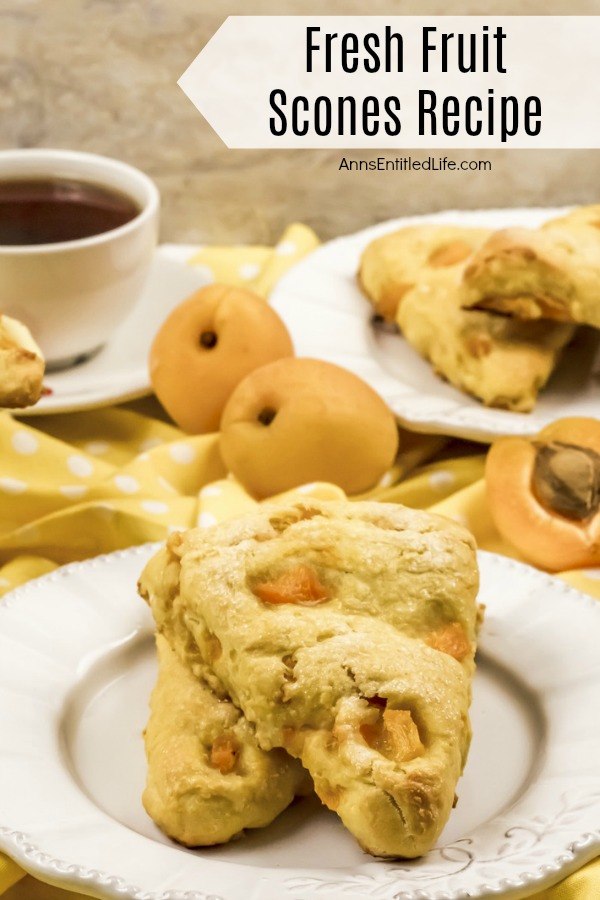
(401, 81)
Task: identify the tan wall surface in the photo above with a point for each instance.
(101, 75)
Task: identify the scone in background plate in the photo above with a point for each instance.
(76, 670)
(329, 318)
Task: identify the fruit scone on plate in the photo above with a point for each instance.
(391, 265)
(499, 360)
(552, 272)
(21, 365)
(345, 632)
(207, 778)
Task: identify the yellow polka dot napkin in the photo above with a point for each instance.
(73, 486)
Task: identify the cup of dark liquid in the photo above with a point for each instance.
(77, 235)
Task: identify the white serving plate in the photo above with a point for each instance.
(328, 317)
(76, 669)
(119, 371)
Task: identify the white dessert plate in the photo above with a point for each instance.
(328, 317)
(76, 669)
(119, 371)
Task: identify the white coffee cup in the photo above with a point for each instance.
(73, 294)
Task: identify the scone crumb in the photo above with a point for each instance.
(299, 585)
(224, 753)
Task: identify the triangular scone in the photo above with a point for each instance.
(552, 272)
(207, 778)
(346, 634)
(501, 361)
(21, 365)
(393, 264)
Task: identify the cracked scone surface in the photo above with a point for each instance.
(346, 634)
(552, 272)
(207, 777)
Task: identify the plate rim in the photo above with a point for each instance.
(460, 420)
(577, 851)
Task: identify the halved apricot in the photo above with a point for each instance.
(544, 493)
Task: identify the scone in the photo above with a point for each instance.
(345, 632)
(207, 777)
(21, 365)
(552, 272)
(393, 264)
(502, 362)
(499, 360)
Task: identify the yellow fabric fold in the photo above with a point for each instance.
(73, 486)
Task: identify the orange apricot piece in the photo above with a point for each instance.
(224, 753)
(394, 735)
(299, 584)
(450, 639)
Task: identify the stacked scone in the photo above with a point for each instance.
(329, 644)
(491, 311)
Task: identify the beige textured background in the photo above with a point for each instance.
(101, 75)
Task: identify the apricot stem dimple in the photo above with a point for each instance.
(208, 340)
(266, 415)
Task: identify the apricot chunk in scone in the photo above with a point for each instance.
(224, 753)
(206, 346)
(450, 639)
(300, 585)
(297, 421)
(544, 494)
(393, 734)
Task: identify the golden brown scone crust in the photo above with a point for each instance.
(207, 777)
(501, 361)
(552, 272)
(393, 264)
(389, 643)
(21, 366)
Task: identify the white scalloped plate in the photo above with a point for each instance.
(76, 670)
(328, 318)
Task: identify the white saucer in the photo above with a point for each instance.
(119, 371)
(328, 318)
(76, 669)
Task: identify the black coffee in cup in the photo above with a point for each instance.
(50, 210)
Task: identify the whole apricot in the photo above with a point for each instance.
(297, 421)
(206, 346)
